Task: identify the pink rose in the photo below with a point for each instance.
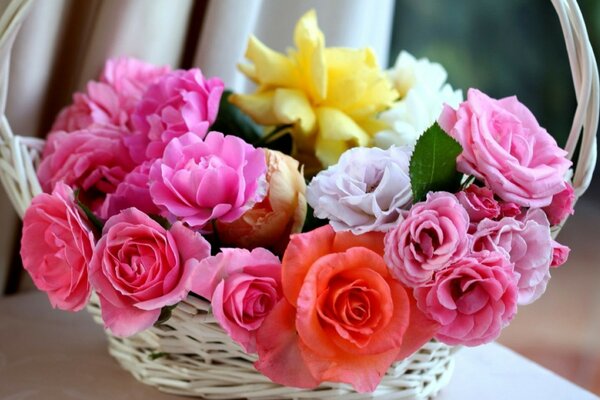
(433, 235)
(180, 102)
(479, 203)
(561, 206)
(111, 101)
(95, 160)
(130, 78)
(528, 244)
(198, 181)
(56, 248)
(560, 253)
(508, 209)
(134, 191)
(504, 146)
(98, 106)
(473, 299)
(139, 267)
(242, 287)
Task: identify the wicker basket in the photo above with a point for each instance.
(190, 354)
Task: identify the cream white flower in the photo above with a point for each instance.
(365, 191)
(423, 90)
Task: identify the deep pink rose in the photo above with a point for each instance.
(95, 160)
(560, 254)
(508, 209)
(243, 287)
(529, 246)
(198, 181)
(134, 191)
(479, 203)
(561, 206)
(504, 146)
(473, 299)
(139, 267)
(180, 102)
(432, 235)
(56, 248)
(111, 101)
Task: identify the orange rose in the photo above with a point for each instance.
(343, 317)
(269, 223)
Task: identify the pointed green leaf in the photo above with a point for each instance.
(433, 164)
(232, 121)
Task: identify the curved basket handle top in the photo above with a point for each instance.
(19, 155)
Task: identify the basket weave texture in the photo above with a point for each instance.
(190, 354)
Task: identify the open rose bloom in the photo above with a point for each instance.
(157, 201)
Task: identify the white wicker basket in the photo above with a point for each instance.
(191, 355)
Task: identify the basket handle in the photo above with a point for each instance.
(18, 155)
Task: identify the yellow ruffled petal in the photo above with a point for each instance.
(258, 106)
(293, 107)
(337, 133)
(310, 56)
(270, 66)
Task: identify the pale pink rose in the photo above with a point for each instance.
(473, 299)
(504, 146)
(561, 206)
(94, 160)
(56, 248)
(218, 178)
(134, 191)
(243, 287)
(180, 102)
(130, 78)
(139, 267)
(560, 254)
(528, 244)
(111, 101)
(479, 203)
(432, 235)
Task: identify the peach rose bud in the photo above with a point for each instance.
(269, 223)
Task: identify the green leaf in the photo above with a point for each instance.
(232, 121)
(433, 164)
(165, 314)
(94, 220)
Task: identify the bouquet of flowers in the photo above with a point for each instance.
(336, 219)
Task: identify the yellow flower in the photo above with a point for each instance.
(331, 96)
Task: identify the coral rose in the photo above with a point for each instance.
(218, 178)
(343, 317)
(473, 299)
(139, 267)
(56, 248)
(433, 235)
(94, 160)
(242, 287)
(180, 102)
(504, 146)
(367, 190)
(282, 212)
(528, 245)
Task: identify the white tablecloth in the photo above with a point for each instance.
(54, 355)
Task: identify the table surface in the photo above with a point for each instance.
(49, 354)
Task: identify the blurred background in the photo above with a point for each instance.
(502, 47)
(516, 47)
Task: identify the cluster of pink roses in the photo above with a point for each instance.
(145, 205)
